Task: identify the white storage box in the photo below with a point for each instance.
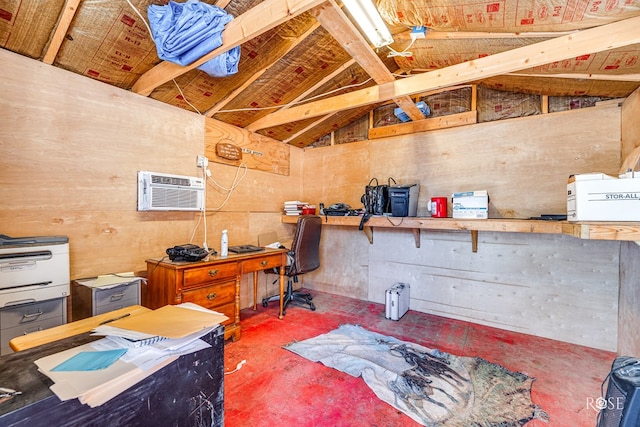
(600, 197)
(396, 301)
(471, 205)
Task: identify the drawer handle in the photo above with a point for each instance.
(213, 273)
(212, 296)
(116, 297)
(29, 316)
(264, 263)
(35, 330)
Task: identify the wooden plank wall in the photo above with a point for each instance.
(524, 164)
(631, 128)
(629, 316)
(553, 286)
(70, 151)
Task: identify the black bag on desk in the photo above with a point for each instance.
(376, 197)
(375, 200)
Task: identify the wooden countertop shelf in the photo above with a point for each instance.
(582, 230)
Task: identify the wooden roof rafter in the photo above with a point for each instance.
(592, 40)
(471, 35)
(308, 92)
(256, 21)
(64, 22)
(221, 104)
(581, 76)
(336, 22)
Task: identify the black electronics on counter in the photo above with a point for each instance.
(404, 199)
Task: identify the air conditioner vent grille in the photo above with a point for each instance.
(170, 198)
(170, 180)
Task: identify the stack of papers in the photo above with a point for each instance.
(108, 281)
(294, 207)
(133, 348)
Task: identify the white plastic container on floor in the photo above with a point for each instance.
(396, 301)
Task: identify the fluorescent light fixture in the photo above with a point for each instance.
(370, 22)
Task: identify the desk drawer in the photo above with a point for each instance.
(228, 310)
(31, 313)
(7, 335)
(262, 263)
(116, 305)
(198, 276)
(115, 296)
(212, 296)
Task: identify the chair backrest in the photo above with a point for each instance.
(306, 245)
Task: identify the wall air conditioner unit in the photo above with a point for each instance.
(164, 192)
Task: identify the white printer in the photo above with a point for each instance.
(34, 284)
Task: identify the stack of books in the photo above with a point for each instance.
(294, 207)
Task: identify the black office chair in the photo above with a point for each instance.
(304, 256)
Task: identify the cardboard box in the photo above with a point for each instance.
(600, 197)
(471, 205)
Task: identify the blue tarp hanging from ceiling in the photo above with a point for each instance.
(185, 32)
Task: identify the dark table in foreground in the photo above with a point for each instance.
(187, 392)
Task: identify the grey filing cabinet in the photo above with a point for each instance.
(22, 319)
(88, 300)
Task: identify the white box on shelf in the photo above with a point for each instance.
(470, 205)
(601, 197)
(396, 301)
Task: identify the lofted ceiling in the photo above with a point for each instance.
(305, 70)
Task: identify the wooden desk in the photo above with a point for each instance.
(214, 284)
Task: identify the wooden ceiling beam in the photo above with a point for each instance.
(69, 12)
(471, 35)
(334, 20)
(222, 3)
(320, 83)
(312, 89)
(308, 128)
(227, 99)
(592, 40)
(579, 76)
(258, 20)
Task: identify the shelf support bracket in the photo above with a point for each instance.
(369, 232)
(474, 240)
(416, 236)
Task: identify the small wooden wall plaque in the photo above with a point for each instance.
(228, 151)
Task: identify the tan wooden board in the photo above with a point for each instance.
(259, 152)
(628, 314)
(630, 131)
(451, 120)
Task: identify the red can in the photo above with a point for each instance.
(438, 207)
(308, 210)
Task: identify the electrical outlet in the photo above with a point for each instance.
(202, 161)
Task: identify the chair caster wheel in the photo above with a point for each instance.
(265, 303)
(309, 297)
(312, 306)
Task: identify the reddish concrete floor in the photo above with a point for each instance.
(278, 387)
